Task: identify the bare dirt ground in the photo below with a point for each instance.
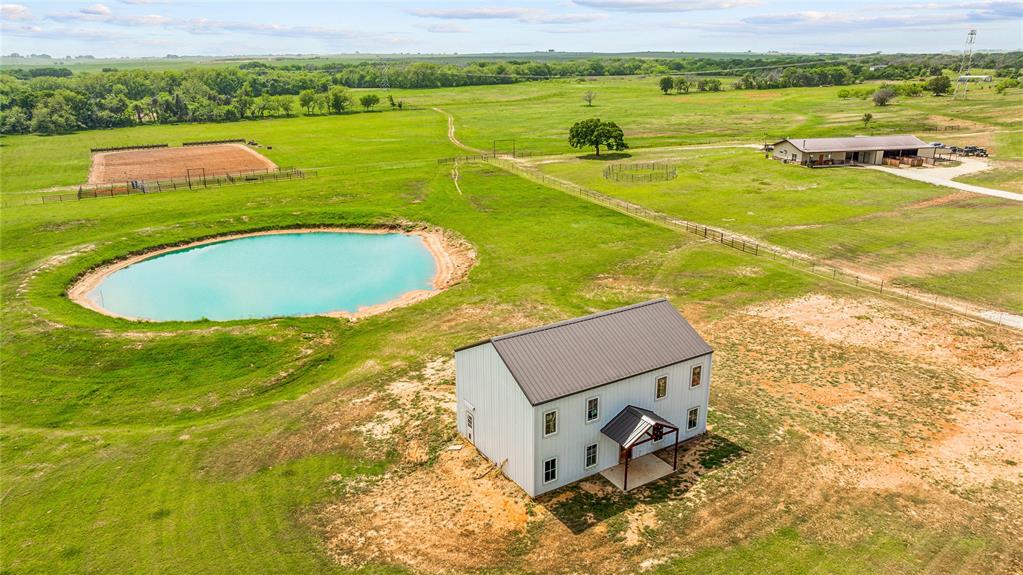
(824, 409)
(173, 163)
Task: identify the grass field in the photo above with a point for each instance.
(870, 221)
(537, 114)
(241, 446)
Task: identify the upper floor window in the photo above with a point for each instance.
(696, 376)
(592, 409)
(550, 422)
(661, 388)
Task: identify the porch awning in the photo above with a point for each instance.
(635, 425)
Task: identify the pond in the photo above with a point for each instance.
(269, 275)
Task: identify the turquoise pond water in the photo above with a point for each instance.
(268, 276)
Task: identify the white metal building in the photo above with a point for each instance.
(819, 152)
(558, 403)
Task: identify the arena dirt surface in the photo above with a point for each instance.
(171, 163)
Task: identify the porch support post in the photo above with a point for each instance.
(625, 482)
(674, 457)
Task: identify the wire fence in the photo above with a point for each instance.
(196, 179)
(731, 240)
(215, 142)
(862, 277)
(641, 172)
(120, 148)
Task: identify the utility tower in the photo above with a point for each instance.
(965, 66)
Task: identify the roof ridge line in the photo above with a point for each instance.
(576, 320)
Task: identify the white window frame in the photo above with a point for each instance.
(688, 413)
(557, 424)
(700, 381)
(657, 383)
(596, 455)
(544, 470)
(587, 409)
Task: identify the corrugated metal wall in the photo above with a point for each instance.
(574, 434)
(503, 417)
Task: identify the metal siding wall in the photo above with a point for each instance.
(502, 414)
(792, 151)
(574, 434)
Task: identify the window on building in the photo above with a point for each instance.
(550, 422)
(696, 376)
(550, 470)
(694, 418)
(592, 409)
(661, 389)
(591, 455)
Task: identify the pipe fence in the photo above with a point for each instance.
(194, 181)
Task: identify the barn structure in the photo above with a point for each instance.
(871, 150)
(595, 394)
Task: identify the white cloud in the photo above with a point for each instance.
(38, 32)
(664, 5)
(865, 19)
(15, 12)
(446, 29)
(485, 13)
(201, 26)
(524, 15)
(97, 10)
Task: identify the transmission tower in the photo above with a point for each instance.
(965, 66)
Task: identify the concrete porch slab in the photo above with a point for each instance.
(642, 470)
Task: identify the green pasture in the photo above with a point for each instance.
(869, 220)
(193, 447)
(537, 115)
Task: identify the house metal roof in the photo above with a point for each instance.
(632, 423)
(856, 143)
(572, 356)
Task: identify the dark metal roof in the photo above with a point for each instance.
(631, 423)
(571, 356)
(857, 143)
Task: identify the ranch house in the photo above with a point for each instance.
(871, 150)
(595, 394)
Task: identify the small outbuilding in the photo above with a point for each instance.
(869, 150)
(595, 394)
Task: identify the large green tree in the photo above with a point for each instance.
(338, 99)
(594, 133)
(667, 84)
(369, 100)
(939, 85)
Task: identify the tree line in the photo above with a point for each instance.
(56, 103)
(53, 99)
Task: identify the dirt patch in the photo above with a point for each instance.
(942, 200)
(795, 381)
(982, 436)
(456, 513)
(642, 520)
(450, 516)
(175, 163)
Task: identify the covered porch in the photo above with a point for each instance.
(635, 426)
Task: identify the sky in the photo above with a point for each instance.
(136, 28)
